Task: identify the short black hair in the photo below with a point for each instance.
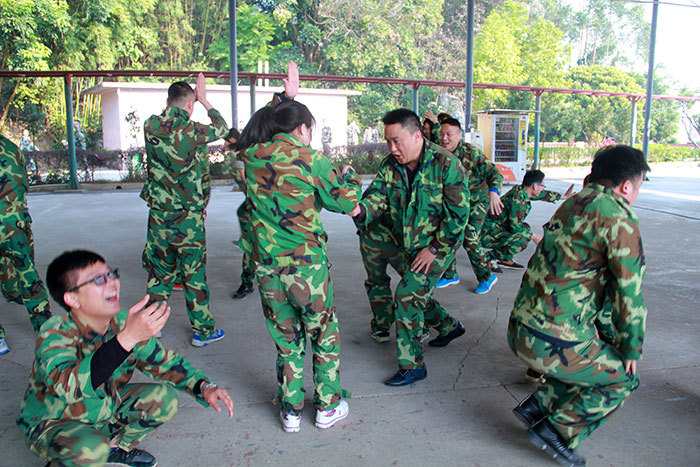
(407, 118)
(452, 122)
(533, 176)
(178, 92)
(612, 165)
(62, 273)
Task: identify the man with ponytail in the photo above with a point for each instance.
(287, 184)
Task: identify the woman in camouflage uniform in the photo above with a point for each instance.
(287, 184)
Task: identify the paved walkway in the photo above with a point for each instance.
(460, 415)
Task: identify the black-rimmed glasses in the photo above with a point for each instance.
(99, 280)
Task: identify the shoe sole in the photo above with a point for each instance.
(325, 426)
(543, 445)
(381, 340)
(3, 352)
(489, 289)
(517, 268)
(447, 285)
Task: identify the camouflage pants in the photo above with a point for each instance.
(297, 302)
(144, 408)
(176, 251)
(20, 280)
(503, 245)
(586, 381)
(416, 308)
(472, 242)
(379, 248)
(245, 223)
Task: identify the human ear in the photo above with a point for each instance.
(71, 300)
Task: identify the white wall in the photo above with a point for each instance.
(146, 99)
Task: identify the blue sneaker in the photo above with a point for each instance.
(3, 346)
(404, 377)
(199, 340)
(445, 281)
(485, 286)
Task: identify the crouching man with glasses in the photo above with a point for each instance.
(80, 408)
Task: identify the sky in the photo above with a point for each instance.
(677, 39)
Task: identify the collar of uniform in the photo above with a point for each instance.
(288, 138)
(175, 112)
(89, 334)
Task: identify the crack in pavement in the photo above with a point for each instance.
(469, 350)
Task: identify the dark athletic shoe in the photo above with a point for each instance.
(533, 376)
(381, 336)
(442, 341)
(243, 291)
(404, 377)
(133, 458)
(510, 264)
(528, 411)
(544, 436)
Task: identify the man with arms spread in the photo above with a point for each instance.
(177, 192)
(507, 234)
(79, 407)
(484, 186)
(21, 282)
(591, 251)
(422, 189)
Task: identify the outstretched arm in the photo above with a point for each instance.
(291, 82)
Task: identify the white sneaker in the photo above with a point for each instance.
(3, 346)
(328, 418)
(290, 422)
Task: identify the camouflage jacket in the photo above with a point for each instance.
(178, 168)
(60, 385)
(516, 207)
(287, 184)
(483, 174)
(13, 178)
(433, 210)
(592, 242)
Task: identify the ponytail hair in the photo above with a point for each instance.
(268, 121)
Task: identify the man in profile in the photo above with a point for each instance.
(591, 252)
(177, 193)
(422, 190)
(79, 407)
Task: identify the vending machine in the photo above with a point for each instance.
(505, 141)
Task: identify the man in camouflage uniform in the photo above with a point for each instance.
(177, 192)
(20, 280)
(484, 186)
(287, 183)
(422, 190)
(79, 408)
(591, 251)
(507, 234)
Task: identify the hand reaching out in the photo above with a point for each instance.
(291, 82)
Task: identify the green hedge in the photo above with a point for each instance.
(581, 156)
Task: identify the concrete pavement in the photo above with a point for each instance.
(459, 415)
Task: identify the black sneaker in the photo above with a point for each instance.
(404, 377)
(133, 458)
(533, 376)
(442, 341)
(244, 290)
(381, 335)
(544, 436)
(510, 264)
(528, 411)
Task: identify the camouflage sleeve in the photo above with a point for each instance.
(549, 196)
(487, 170)
(238, 170)
(206, 177)
(67, 372)
(374, 199)
(455, 195)
(165, 365)
(337, 193)
(516, 212)
(204, 134)
(626, 263)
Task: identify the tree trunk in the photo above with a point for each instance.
(7, 106)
